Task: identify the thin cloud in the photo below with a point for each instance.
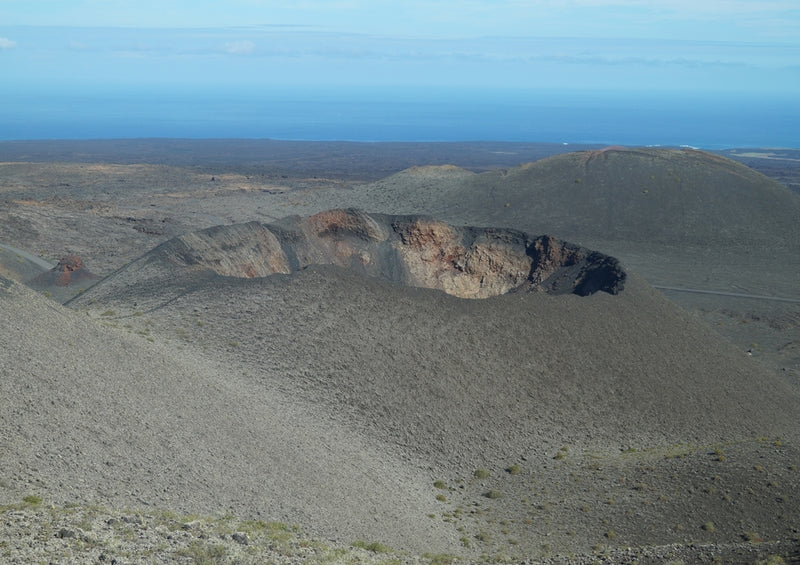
(240, 47)
(6, 43)
(690, 8)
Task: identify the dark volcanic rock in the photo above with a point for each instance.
(467, 262)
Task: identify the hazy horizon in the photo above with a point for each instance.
(102, 69)
(375, 115)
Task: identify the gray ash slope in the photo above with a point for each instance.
(445, 385)
(608, 369)
(664, 196)
(94, 414)
(467, 381)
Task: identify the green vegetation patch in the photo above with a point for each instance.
(32, 499)
(375, 546)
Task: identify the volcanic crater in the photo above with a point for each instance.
(467, 262)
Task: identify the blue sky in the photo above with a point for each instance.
(681, 45)
(719, 20)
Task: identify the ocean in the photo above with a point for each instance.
(707, 121)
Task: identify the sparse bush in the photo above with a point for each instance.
(481, 474)
(440, 485)
(375, 547)
(441, 498)
(611, 534)
(514, 469)
(439, 558)
(32, 499)
(709, 527)
(204, 554)
(493, 494)
(752, 537)
(771, 560)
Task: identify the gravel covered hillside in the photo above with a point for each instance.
(349, 386)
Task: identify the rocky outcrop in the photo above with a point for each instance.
(240, 250)
(70, 271)
(467, 262)
(70, 268)
(64, 281)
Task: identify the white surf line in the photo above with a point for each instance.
(720, 293)
(32, 258)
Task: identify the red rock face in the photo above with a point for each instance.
(65, 279)
(414, 251)
(70, 269)
(333, 223)
(66, 267)
(435, 255)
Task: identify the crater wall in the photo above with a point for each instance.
(467, 262)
